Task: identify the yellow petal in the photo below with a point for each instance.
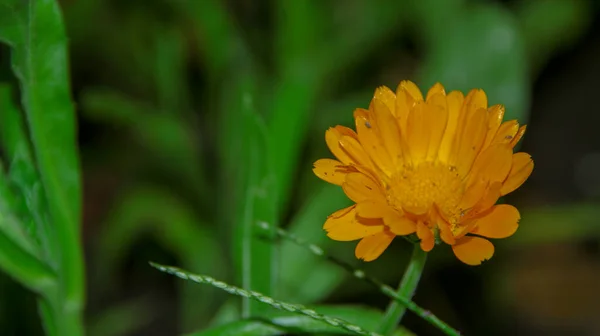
(455, 101)
(360, 188)
(470, 142)
(331, 171)
(371, 143)
(501, 222)
(354, 150)
(403, 108)
(417, 133)
(473, 250)
(522, 166)
(412, 89)
(436, 89)
(372, 209)
(506, 132)
(496, 115)
(388, 130)
(347, 227)
(371, 247)
(474, 193)
(489, 198)
(493, 164)
(399, 225)
(332, 138)
(387, 96)
(518, 136)
(436, 117)
(424, 233)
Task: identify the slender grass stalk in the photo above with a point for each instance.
(361, 275)
(290, 307)
(406, 290)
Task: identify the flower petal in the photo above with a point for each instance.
(412, 89)
(501, 222)
(496, 115)
(427, 239)
(360, 188)
(506, 132)
(493, 164)
(387, 96)
(331, 171)
(354, 150)
(436, 117)
(347, 227)
(332, 138)
(522, 166)
(436, 89)
(371, 143)
(371, 247)
(417, 133)
(473, 250)
(372, 209)
(518, 136)
(470, 141)
(455, 101)
(388, 130)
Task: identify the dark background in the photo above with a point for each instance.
(155, 84)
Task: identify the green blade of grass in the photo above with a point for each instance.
(22, 189)
(335, 322)
(255, 257)
(35, 32)
(282, 323)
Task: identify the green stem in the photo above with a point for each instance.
(407, 288)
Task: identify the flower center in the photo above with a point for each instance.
(417, 189)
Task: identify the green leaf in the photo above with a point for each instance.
(255, 255)
(21, 264)
(307, 278)
(481, 47)
(35, 32)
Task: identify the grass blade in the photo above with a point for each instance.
(34, 30)
(292, 308)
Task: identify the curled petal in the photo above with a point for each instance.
(427, 239)
(522, 166)
(398, 224)
(473, 250)
(332, 138)
(347, 227)
(331, 171)
(518, 136)
(501, 222)
(371, 247)
(506, 132)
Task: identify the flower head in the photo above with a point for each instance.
(432, 166)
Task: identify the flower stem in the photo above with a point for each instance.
(406, 290)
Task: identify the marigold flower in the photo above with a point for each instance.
(435, 167)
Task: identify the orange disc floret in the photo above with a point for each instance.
(433, 166)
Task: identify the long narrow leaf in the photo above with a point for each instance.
(36, 34)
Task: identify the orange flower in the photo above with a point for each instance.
(435, 167)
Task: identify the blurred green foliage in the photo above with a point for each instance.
(214, 112)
